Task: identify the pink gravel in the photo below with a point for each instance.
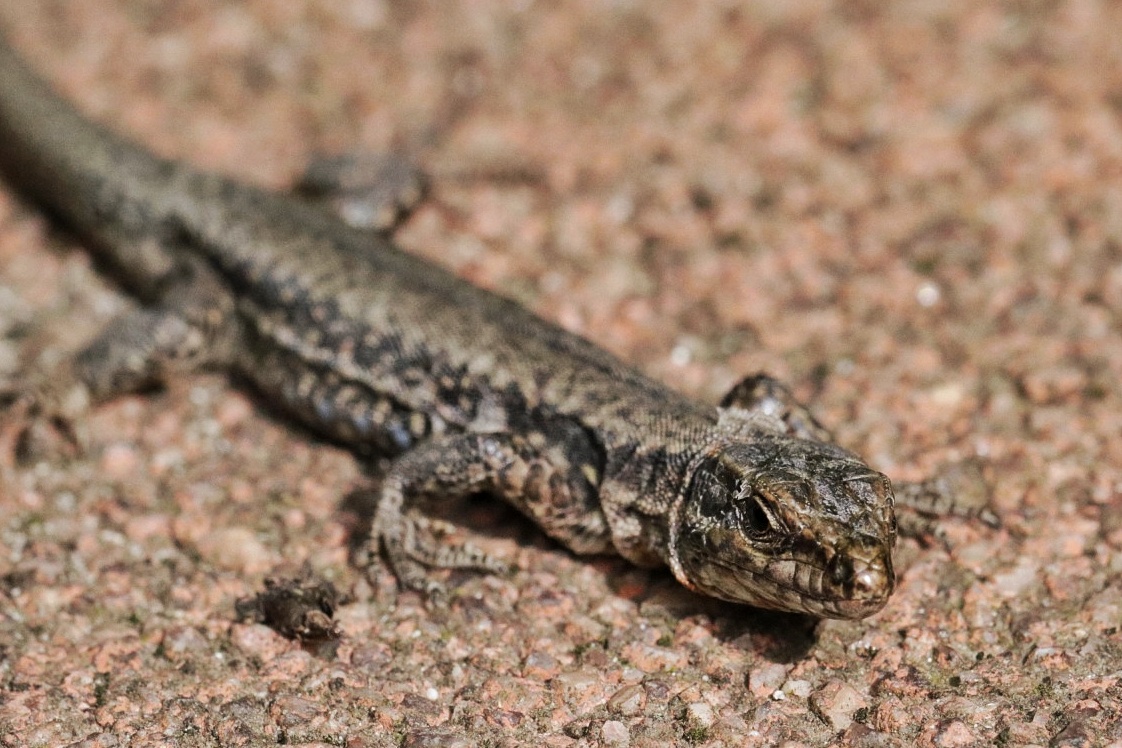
(911, 212)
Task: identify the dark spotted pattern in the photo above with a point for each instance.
(464, 390)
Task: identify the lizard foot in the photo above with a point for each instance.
(366, 191)
(42, 415)
(959, 490)
(417, 545)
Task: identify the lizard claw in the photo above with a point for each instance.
(42, 418)
(417, 548)
(436, 595)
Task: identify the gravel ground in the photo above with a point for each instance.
(913, 214)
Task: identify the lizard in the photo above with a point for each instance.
(462, 390)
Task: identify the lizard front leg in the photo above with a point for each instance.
(192, 327)
(959, 490)
(366, 191)
(550, 482)
(761, 394)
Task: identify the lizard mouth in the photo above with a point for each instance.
(789, 526)
(792, 584)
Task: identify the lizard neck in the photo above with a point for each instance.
(645, 485)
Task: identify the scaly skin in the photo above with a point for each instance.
(466, 391)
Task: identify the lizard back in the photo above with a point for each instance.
(313, 286)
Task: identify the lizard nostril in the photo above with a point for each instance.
(870, 580)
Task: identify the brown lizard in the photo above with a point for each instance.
(749, 500)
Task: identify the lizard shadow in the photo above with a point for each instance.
(783, 638)
(775, 636)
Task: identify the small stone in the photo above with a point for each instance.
(764, 681)
(145, 526)
(955, 735)
(700, 714)
(580, 689)
(257, 640)
(540, 666)
(435, 738)
(797, 687)
(182, 642)
(836, 703)
(503, 717)
(628, 700)
(120, 460)
(1013, 583)
(615, 732)
(652, 659)
(236, 549)
(290, 711)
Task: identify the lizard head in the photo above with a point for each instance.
(790, 524)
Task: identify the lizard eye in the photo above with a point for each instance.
(755, 518)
